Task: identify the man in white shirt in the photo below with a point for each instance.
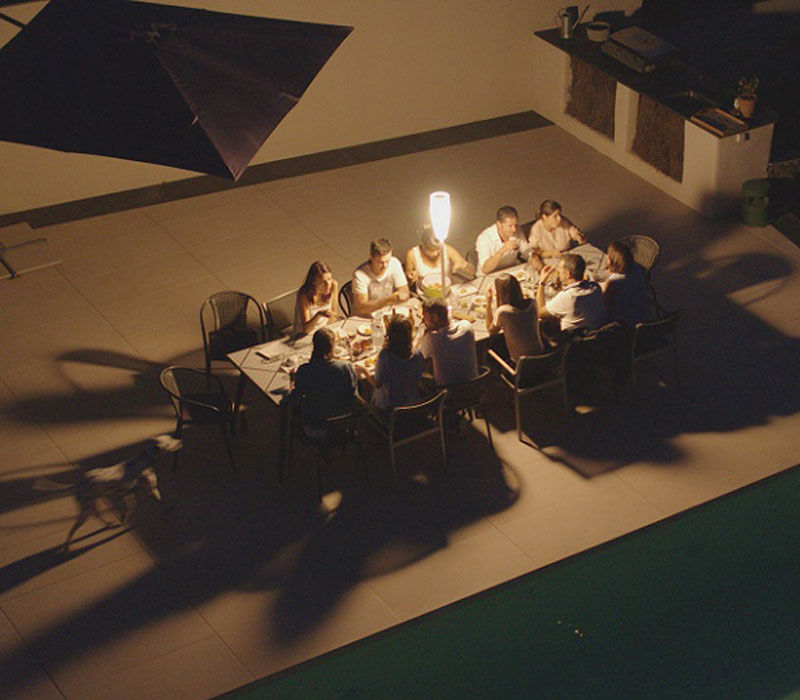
(502, 244)
(380, 281)
(450, 344)
(580, 302)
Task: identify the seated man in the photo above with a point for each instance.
(580, 302)
(323, 387)
(450, 343)
(502, 244)
(380, 281)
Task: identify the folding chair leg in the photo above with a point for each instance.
(394, 463)
(238, 403)
(444, 446)
(488, 431)
(517, 415)
(223, 428)
(178, 432)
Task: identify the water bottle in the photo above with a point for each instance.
(377, 331)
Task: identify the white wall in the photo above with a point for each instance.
(409, 66)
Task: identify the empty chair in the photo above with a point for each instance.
(646, 253)
(230, 321)
(406, 424)
(596, 355)
(346, 298)
(279, 314)
(467, 401)
(652, 339)
(534, 373)
(198, 398)
(339, 431)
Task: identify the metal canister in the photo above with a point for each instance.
(564, 24)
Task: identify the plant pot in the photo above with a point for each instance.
(746, 104)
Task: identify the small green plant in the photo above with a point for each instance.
(748, 87)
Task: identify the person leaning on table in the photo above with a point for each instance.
(316, 303)
(398, 369)
(380, 281)
(510, 311)
(625, 290)
(502, 244)
(552, 233)
(323, 387)
(425, 259)
(579, 304)
(449, 343)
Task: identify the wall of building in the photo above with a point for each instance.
(409, 66)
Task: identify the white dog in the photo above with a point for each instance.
(113, 483)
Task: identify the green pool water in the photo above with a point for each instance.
(705, 604)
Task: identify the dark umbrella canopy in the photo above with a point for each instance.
(186, 88)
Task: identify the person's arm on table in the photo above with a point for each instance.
(458, 264)
(541, 302)
(490, 264)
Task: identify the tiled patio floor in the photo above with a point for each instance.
(245, 577)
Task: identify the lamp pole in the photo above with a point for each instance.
(440, 220)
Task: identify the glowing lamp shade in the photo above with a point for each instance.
(440, 214)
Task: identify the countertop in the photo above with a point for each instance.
(673, 83)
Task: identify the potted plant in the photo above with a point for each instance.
(745, 102)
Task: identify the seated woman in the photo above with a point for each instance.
(323, 387)
(625, 290)
(317, 302)
(552, 233)
(399, 367)
(508, 310)
(424, 259)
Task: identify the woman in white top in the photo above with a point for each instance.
(552, 233)
(424, 259)
(508, 310)
(316, 303)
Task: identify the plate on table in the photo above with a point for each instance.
(519, 274)
(364, 329)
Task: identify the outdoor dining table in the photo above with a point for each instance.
(270, 365)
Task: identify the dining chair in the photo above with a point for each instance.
(597, 355)
(534, 373)
(340, 431)
(279, 314)
(467, 401)
(198, 398)
(230, 321)
(406, 424)
(646, 253)
(346, 298)
(472, 258)
(655, 338)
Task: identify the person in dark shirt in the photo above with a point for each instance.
(323, 387)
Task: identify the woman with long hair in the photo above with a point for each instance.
(425, 259)
(399, 367)
(625, 290)
(510, 311)
(552, 233)
(316, 303)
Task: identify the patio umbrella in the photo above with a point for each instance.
(161, 84)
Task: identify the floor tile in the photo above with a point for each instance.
(453, 572)
(23, 679)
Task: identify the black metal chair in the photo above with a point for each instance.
(198, 398)
(534, 373)
(653, 339)
(230, 321)
(467, 401)
(406, 424)
(339, 431)
(646, 253)
(596, 355)
(346, 298)
(279, 314)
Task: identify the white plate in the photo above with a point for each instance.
(364, 329)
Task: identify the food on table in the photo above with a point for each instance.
(361, 346)
(519, 274)
(364, 329)
(432, 284)
(370, 361)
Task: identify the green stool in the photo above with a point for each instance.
(755, 208)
